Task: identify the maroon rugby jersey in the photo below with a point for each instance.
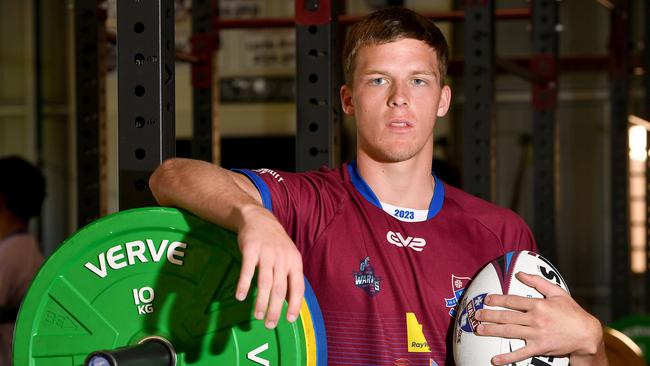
(387, 288)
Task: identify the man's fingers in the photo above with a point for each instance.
(278, 294)
(512, 302)
(504, 330)
(264, 283)
(540, 284)
(512, 357)
(296, 293)
(502, 317)
(245, 276)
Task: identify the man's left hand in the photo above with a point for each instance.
(553, 326)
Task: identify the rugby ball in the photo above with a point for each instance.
(498, 277)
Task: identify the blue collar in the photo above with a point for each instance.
(362, 187)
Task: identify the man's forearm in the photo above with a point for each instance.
(204, 189)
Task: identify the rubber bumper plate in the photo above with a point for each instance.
(156, 273)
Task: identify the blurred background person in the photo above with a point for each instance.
(22, 191)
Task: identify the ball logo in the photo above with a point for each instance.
(552, 274)
(398, 240)
(466, 321)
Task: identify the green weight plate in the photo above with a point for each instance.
(637, 327)
(155, 272)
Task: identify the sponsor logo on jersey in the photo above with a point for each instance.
(398, 240)
(273, 173)
(466, 320)
(366, 279)
(458, 285)
(415, 337)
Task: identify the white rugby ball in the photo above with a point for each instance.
(498, 277)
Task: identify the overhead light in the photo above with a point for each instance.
(638, 142)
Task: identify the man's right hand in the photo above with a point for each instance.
(235, 203)
(265, 244)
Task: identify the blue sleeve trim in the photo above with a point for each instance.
(260, 185)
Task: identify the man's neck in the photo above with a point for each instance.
(404, 184)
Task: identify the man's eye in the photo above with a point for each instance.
(378, 81)
(419, 81)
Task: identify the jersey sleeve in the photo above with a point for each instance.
(517, 234)
(303, 203)
(513, 232)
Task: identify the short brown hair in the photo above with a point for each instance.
(389, 25)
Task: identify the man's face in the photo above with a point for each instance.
(395, 98)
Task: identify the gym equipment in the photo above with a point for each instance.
(621, 350)
(155, 284)
(637, 328)
(498, 277)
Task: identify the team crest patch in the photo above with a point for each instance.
(458, 285)
(366, 279)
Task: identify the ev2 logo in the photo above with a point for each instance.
(145, 297)
(397, 239)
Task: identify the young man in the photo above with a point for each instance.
(22, 190)
(387, 247)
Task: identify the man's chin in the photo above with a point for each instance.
(396, 156)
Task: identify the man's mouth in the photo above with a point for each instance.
(400, 123)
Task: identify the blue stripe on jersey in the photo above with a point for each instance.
(508, 259)
(260, 185)
(434, 206)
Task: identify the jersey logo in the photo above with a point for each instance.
(416, 340)
(458, 285)
(397, 239)
(273, 173)
(366, 279)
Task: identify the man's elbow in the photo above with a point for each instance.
(163, 179)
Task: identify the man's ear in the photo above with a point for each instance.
(346, 100)
(445, 101)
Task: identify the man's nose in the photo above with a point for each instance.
(398, 97)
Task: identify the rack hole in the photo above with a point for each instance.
(140, 153)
